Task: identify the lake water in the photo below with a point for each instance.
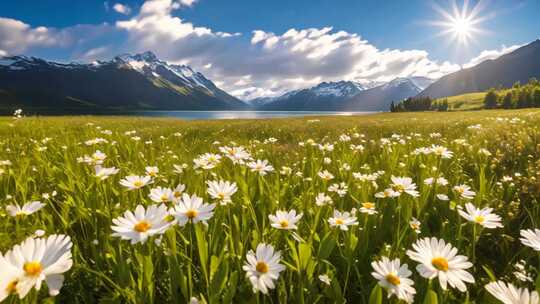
(195, 115)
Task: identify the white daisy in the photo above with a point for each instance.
(394, 277)
(262, 267)
(325, 175)
(33, 261)
(439, 259)
(152, 171)
(260, 166)
(464, 191)
(192, 209)
(509, 294)
(342, 220)
(369, 208)
(285, 220)
(26, 209)
(531, 238)
(161, 195)
(133, 182)
(323, 199)
(104, 173)
(138, 226)
(404, 185)
(482, 217)
(221, 190)
(415, 225)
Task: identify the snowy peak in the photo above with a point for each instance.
(337, 89)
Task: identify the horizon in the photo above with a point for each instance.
(278, 52)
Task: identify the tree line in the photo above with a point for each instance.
(518, 97)
(414, 104)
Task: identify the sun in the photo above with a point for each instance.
(460, 24)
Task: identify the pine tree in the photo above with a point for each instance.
(490, 101)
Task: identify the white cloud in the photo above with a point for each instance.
(122, 9)
(275, 63)
(3, 53)
(491, 54)
(187, 2)
(262, 64)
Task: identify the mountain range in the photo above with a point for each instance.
(127, 82)
(144, 82)
(345, 96)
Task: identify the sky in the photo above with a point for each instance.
(264, 48)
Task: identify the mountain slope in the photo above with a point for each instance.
(344, 96)
(125, 83)
(519, 65)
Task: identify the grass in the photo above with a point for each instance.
(469, 101)
(205, 261)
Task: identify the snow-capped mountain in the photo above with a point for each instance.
(346, 95)
(127, 82)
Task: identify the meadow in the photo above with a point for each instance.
(387, 208)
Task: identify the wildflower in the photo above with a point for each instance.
(342, 220)
(161, 195)
(178, 191)
(369, 208)
(33, 261)
(341, 189)
(221, 190)
(285, 220)
(387, 193)
(482, 217)
(325, 279)
(509, 294)
(139, 226)
(323, 199)
(238, 155)
(439, 181)
(192, 209)
(531, 238)
(394, 277)
(441, 151)
(207, 161)
(262, 267)
(26, 209)
(325, 175)
(464, 191)
(404, 185)
(415, 225)
(104, 173)
(133, 182)
(442, 197)
(260, 166)
(438, 259)
(152, 171)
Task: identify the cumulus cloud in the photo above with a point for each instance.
(491, 54)
(122, 9)
(258, 64)
(267, 63)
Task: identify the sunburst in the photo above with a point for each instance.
(461, 25)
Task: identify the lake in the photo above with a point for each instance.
(197, 115)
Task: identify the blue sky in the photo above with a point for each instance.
(298, 42)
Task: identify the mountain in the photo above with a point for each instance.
(345, 96)
(519, 65)
(127, 82)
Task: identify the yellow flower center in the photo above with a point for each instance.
(368, 205)
(164, 198)
(142, 226)
(177, 194)
(138, 184)
(440, 263)
(393, 279)
(32, 268)
(12, 287)
(340, 221)
(261, 267)
(191, 213)
(479, 219)
(399, 188)
(284, 223)
(460, 190)
(221, 196)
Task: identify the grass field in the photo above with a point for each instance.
(365, 191)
